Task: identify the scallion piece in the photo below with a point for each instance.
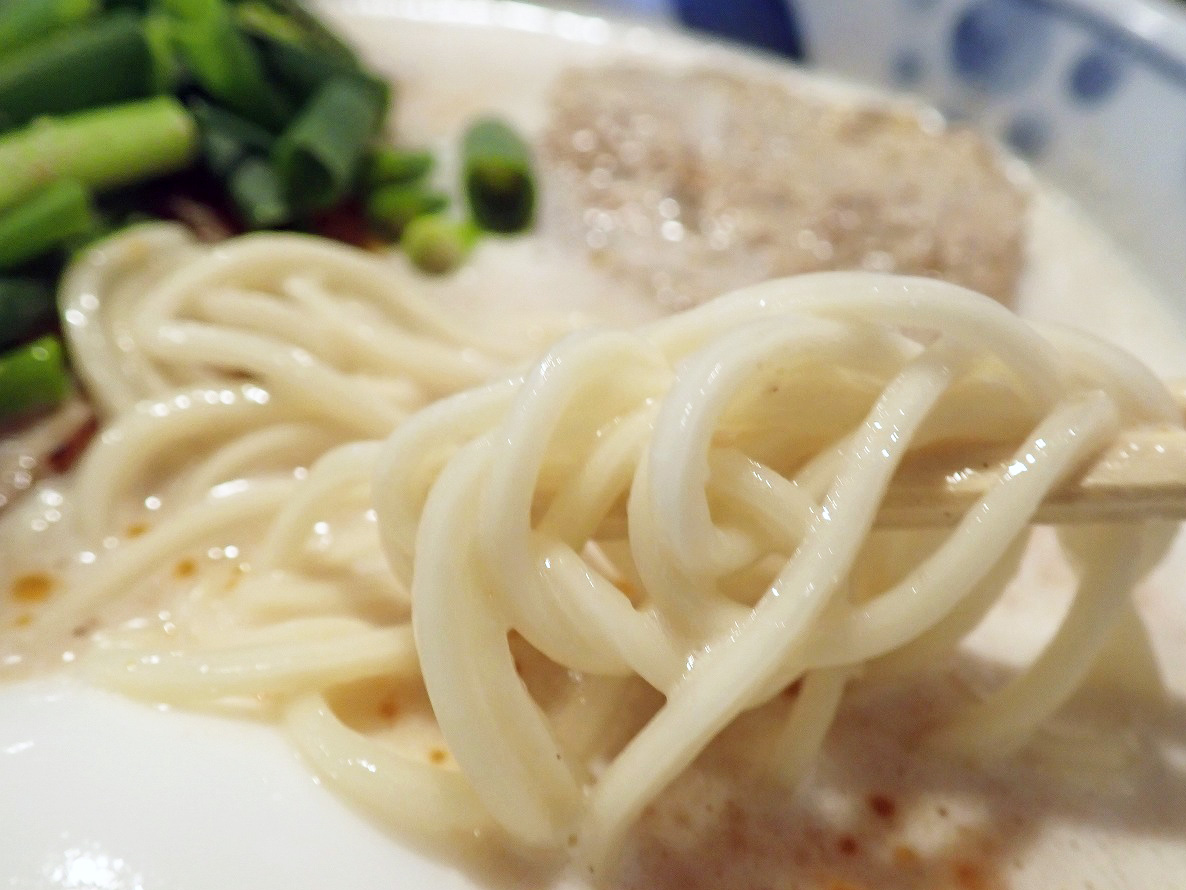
(99, 149)
(167, 70)
(102, 64)
(301, 71)
(227, 138)
(26, 21)
(58, 213)
(498, 178)
(438, 244)
(259, 194)
(290, 22)
(260, 20)
(395, 165)
(26, 309)
(224, 61)
(32, 377)
(391, 207)
(318, 157)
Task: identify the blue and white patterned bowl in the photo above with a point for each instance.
(1092, 92)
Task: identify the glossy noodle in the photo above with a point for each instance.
(592, 562)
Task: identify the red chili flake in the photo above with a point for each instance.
(883, 806)
(969, 876)
(389, 707)
(793, 689)
(346, 222)
(32, 588)
(841, 884)
(209, 224)
(906, 857)
(65, 455)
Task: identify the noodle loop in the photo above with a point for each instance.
(588, 568)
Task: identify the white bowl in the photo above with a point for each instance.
(106, 793)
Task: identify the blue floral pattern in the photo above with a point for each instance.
(1000, 45)
(1096, 75)
(998, 48)
(768, 24)
(1092, 94)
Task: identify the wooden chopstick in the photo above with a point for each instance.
(1141, 476)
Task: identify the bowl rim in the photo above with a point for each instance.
(1154, 29)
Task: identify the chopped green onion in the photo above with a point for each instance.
(167, 70)
(288, 21)
(26, 308)
(98, 65)
(319, 155)
(259, 194)
(224, 61)
(100, 148)
(32, 377)
(498, 178)
(26, 21)
(301, 71)
(392, 207)
(438, 244)
(260, 20)
(56, 214)
(227, 138)
(394, 165)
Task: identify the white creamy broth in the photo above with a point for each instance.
(878, 813)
